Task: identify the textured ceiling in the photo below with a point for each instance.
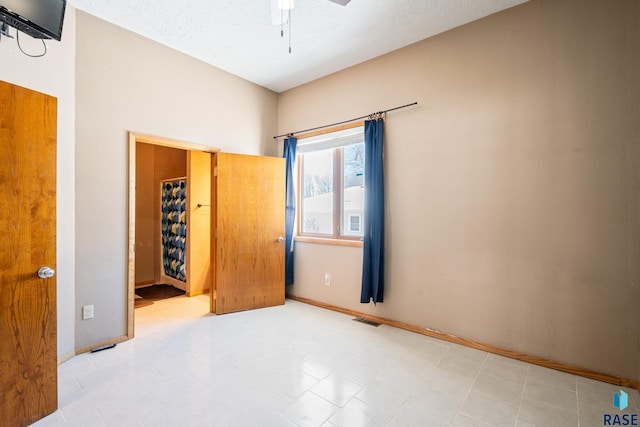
(238, 35)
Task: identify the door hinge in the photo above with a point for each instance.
(215, 171)
(215, 295)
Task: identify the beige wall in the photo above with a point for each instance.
(125, 82)
(54, 75)
(512, 189)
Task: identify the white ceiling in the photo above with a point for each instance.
(238, 35)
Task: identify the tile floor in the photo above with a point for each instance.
(298, 365)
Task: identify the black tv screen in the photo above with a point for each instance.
(41, 19)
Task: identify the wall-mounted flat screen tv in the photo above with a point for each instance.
(41, 19)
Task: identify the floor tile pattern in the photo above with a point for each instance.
(299, 365)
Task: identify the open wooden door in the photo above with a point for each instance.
(28, 347)
(248, 228)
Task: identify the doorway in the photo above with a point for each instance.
(241, 253)
(164, 158)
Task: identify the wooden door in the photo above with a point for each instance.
(28, 359)
(198, 222)
(249, 229)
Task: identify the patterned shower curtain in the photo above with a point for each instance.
(174, 228)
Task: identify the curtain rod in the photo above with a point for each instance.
(341, 123)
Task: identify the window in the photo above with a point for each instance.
(331, 190)
(354, 223)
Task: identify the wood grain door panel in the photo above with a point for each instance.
(28, 348)
(249, 261)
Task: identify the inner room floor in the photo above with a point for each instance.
(299, 365)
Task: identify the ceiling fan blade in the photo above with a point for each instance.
(341, 2)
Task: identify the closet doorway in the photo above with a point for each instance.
(169, 216)
(235, 225)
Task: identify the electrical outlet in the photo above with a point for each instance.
(87, 312)
(327, 279)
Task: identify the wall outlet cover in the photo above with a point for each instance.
(87, 312)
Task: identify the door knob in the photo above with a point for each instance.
(46, 273)
(280, 239)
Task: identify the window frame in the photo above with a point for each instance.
(336, 238)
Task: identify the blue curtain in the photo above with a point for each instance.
(373, 251)
(289, 154)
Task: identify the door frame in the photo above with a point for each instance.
(134, 139)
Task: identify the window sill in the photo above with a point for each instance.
(328, 241)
